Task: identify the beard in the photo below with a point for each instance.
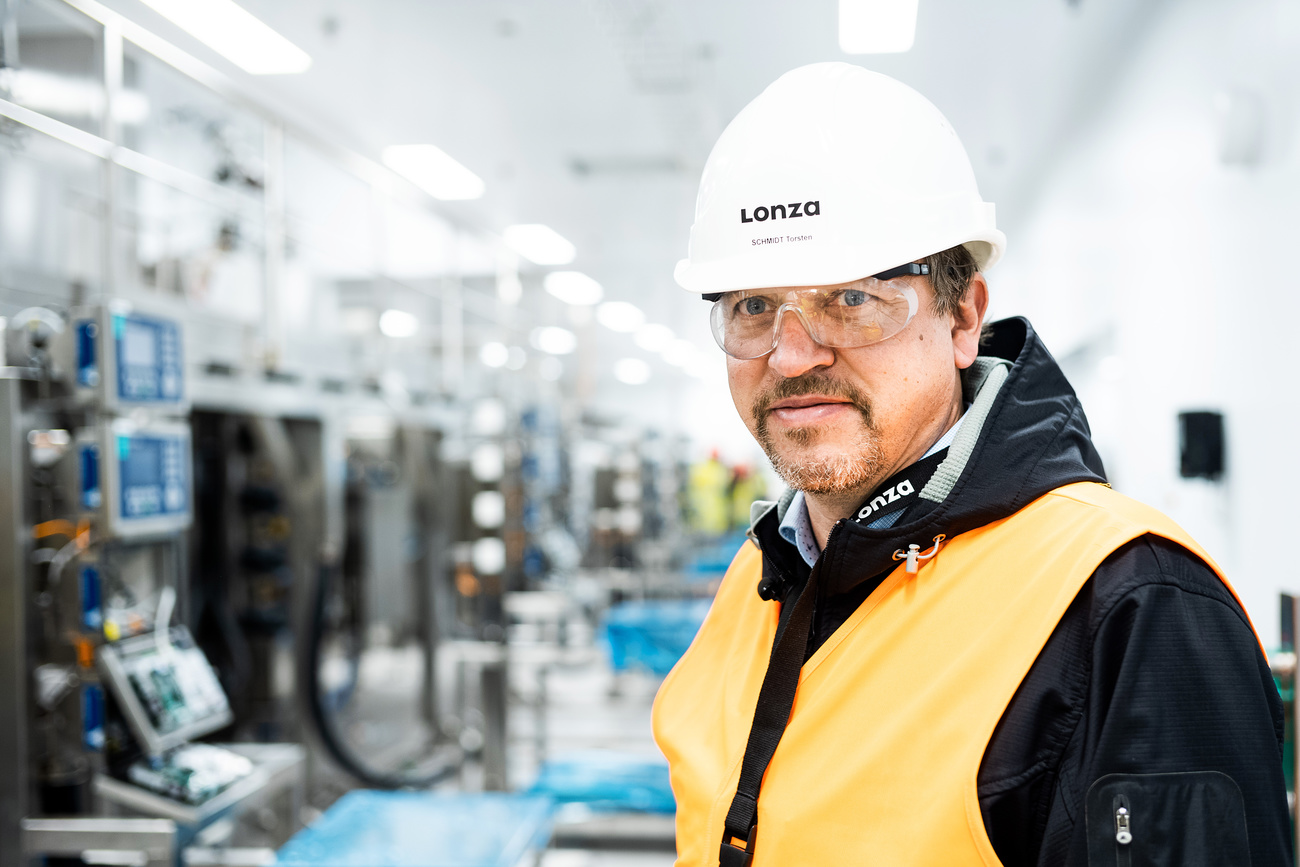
(793, 452)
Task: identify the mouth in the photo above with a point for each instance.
(804, 401)
(802, 408)
(809, 409)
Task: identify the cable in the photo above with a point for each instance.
(57, 527)
(324, 723)
(162, 621)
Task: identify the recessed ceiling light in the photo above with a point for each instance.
(620, 316)
(233, 32)
(573, 287)
(539, 244)
(877, 26)
(433, 171)
(494, 354)
(398, 323)
(653, 337)
(554, 340)
(631, 371)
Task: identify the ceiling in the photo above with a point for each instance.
(595, 116)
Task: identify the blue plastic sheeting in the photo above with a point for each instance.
(652, 635)
(608, 781)
(422, 829)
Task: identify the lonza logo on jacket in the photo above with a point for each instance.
(902, 489)
(764, 213)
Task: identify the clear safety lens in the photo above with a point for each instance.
(747, 324)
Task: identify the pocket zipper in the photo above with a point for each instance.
(1123, 831)
(1123, 826)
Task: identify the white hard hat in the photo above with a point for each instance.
(832, 174)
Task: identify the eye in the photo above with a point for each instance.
(753, 306)
(853, 297)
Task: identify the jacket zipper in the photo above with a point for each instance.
(1123, 832)
(817, 600)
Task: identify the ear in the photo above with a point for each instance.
(967, 320)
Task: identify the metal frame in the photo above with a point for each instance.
(14, 545)
(119, 30)
(154, 840)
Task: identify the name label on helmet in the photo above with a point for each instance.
(763, 213)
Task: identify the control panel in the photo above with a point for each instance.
(136, 478)
(165, 687)
(127, 359)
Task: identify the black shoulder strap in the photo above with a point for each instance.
(775, 701)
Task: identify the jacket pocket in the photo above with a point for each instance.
(1194, 819)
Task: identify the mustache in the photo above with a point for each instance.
(813, 382)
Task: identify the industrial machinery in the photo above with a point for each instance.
(98, 483)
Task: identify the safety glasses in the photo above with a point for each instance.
(747, 323)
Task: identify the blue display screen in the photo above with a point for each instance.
(92, 615)
(92, 717)
(149, 361)
(154, 472)
(87, 360)
(91, 496)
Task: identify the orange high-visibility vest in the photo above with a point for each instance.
(893, 713)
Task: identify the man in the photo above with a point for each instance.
(951, 643)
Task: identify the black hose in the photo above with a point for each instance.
(323, 721)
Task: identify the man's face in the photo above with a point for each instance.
(842, 420)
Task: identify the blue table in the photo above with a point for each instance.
(652, 635)
(607, 780)
(422, 829)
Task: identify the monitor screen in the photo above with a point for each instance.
(154, 475)
(168, 691)
(149, 359)
(139, 344)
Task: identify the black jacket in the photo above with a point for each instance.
(1153, 670)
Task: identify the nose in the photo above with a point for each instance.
(796, 352)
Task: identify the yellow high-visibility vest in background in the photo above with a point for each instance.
(893, 713)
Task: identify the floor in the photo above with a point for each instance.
(586, 706)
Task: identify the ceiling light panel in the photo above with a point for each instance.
(877, 26)
(432, 170)
(494, 354)
(540, 244)
(233, 32)
(631, 371)
(620, 316)
(573, 287)
(554, 340)
(398, 323)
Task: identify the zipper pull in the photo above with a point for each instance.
(1123, 827)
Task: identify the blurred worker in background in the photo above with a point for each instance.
(950, 642)
(709, 485)
(746, 487)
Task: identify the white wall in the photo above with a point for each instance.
(1165, 277)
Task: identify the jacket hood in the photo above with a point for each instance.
(1034, 439)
